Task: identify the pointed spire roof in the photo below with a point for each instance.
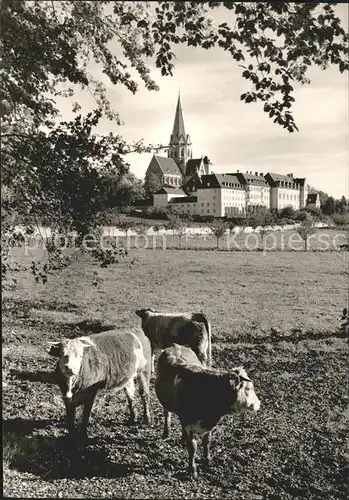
(178, 125)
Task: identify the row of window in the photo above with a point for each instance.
(175, 153)
(285, 196)
(172, 180)
(291, 185)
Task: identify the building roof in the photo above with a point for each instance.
(220, 181)
(193, 165)
(184, 199)
(275, 179)
(312, 197)
(170, 190)
(249, 178)
(168, 165)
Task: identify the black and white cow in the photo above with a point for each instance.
(108, 360)
(199, 396)
(190, 329)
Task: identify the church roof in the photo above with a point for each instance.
(168, 165)
(171, 190)
(193, 165)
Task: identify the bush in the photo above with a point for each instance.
(287, 213)
(341, 219)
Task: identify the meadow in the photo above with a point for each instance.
(275, 313)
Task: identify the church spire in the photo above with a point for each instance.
(180, 144)
(178, 125)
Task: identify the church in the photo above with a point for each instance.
(189, 185)
(179, 166)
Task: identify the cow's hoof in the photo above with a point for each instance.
(207, 462)
(147, 420)
(131, 420)
(193, 473)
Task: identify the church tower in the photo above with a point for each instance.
(180, 144)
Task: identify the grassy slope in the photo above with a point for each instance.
(276, 314)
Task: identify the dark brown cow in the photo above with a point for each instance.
(190, 329)
(199, 396)
(107, 360)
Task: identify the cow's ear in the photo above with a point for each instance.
(345, 311)
(54, 349)
(234, 381)
(86, 342)
(244, 379)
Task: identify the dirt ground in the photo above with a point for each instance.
(276, 314)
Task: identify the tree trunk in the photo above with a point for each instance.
(306, 244)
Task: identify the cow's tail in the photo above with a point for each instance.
(202, 317)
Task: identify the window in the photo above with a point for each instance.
(208, 204)
(202, 204)
(208, 210)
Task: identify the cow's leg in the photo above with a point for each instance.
(130, 393)
(184, 436)
(192, 447)
(88, 404)
(152, 362)
(143, 385)
(70, 414)
(167, 424)
(206, 441)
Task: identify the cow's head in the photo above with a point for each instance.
(246, 398)
(144, 313)
(70, 353)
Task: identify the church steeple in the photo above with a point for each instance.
(180, 144)
(178, 125)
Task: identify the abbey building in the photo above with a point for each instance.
(190, 186)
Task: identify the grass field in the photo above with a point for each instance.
(274, 313)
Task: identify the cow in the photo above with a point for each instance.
(108, 360)
(190, 329)
(199, 396)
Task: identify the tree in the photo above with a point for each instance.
(264, 233)
(49, 49)
(305, 230)
(329, 206)
(255, 220)
(218, 228)
(287, 212)
(177, 225)
(119, 190)
(151, 184)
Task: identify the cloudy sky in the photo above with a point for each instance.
(235, 135)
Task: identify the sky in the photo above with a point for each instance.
(236, 135)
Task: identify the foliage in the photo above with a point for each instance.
(341, 219)
(255, 220)
(305, 230)
(287, 212)
(151, 184)
(120, 189)
(218, 227)
(309, 34)
(57, 172)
